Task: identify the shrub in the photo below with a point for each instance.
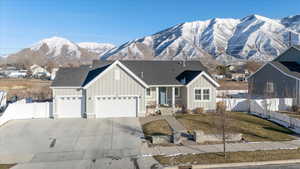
(199, 110)
(221, 107)
(295, 108)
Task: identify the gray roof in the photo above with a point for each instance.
(163, 72)
(71, 77)
(290, 68)
(151, 72)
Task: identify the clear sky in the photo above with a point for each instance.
(23, 22)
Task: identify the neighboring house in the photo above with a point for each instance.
(127, 88)
(279, 78)
(38, 71)
(17, 74)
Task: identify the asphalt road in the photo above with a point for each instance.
(281, 166)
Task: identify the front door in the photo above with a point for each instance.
(162, 95)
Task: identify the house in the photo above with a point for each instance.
(128, 88)
(279, 78)
(17, 74)
(38, 71)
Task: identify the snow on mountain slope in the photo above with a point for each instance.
(60, 50)
(292, 22)
(252, 37)
(57, 45)
(99, 48)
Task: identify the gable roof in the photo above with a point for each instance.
(147, 72)
(70, 77)
(289, 68)
(162, 72)
(290, 52)
(284, 64)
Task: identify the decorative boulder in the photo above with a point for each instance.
(161, 139)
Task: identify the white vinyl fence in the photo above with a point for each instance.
(266, 108)
(235, 104)
(21, 110)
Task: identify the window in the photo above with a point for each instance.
(117, 74)
(270, 87)
(177, 92)
(206, 94)
(148, 92)
(197, 94)
(202, 94)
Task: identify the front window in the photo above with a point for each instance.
(202, 94)
(206, 94)
(177, 92)
(148, 92)
(197, 94)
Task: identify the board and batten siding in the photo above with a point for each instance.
(107, 85)
(201, 83)
(62, 92)
(284, 86)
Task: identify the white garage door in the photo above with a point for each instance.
(69, 106)
(125, 106)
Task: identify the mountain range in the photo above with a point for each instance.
(61, 51)
(250, 38)
(226, 40)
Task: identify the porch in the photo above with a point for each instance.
(165, 99)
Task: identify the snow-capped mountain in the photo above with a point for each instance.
(99, 48)
(60, 50)
(251, 37)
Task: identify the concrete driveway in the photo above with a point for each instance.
(73, 143)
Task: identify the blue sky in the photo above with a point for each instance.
(23, 22)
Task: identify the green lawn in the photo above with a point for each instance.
(232, 157)
(252, 128)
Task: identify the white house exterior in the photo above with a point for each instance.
(128, 88)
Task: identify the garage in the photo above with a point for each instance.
(69, 106)
(121, 106)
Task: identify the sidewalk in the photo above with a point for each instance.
(231, 147)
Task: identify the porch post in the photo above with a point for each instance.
(157, 97)
(173, 97)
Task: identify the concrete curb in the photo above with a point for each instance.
(225, 165)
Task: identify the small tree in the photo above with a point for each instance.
(222, 123)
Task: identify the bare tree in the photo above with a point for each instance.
(222, 121)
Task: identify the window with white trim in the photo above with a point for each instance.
(177, 91)
(198, 94)
(206, 94)
(202, 94)
(148, 92)
(117, 74)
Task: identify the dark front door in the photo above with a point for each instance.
(162, 95)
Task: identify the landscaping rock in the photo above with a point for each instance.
(161, 139)
(201, 137)
(177, 138)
